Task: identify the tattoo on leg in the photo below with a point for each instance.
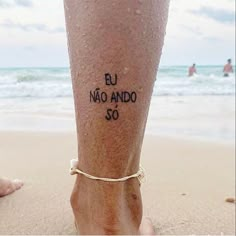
(98, 96)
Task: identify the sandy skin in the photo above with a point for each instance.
(9, 186)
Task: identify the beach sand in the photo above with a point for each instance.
(187, 182)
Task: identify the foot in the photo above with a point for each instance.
(105, 208)
(9, 186)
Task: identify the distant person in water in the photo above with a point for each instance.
(9, 186)
(228, 68)
(192, 70)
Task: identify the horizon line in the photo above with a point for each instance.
(34, 67)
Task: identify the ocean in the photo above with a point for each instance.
(179, 103)
(39, 83)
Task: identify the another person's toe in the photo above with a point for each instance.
(17, 184)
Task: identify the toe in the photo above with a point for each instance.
(17, 184)
(146, 227)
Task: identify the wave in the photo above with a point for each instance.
(27, 78)
(32, 75)
(56, 82)
(41, 77)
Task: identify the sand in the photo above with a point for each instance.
(186, 186)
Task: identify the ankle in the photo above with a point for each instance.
(107, 207)
(109, 167)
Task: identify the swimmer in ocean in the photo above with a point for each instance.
(192, 70)
(228, 68)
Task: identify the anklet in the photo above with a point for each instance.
(74, 170)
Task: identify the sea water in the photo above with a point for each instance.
(39, 83)
(180, 104)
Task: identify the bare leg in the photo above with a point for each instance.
(115, 48)
(9, 186)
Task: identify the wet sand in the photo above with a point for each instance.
(187, 182)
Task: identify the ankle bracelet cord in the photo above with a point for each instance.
(74, 170)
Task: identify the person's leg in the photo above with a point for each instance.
(115, 47)
(9, 186)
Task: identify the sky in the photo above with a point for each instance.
(32, 33)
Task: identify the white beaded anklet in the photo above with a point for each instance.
(74, 170)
